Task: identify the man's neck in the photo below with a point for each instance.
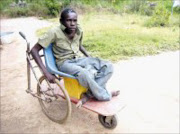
(70, 34)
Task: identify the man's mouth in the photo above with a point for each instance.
(72, 28)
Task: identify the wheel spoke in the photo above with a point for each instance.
(58, 109)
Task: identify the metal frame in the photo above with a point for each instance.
(31, 68)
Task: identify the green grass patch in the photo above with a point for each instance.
(116, 37)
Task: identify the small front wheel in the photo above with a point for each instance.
(109, 122)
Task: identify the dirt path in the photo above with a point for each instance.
(149, 86)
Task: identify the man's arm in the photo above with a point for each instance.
(35, 54)
(83, 50)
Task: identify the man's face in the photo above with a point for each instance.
(70, 21)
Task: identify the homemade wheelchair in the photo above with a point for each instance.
(58, 108)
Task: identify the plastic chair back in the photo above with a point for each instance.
(51, 64)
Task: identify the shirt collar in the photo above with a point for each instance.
(63, 28)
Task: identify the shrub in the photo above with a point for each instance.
(135, 5)
(17, 11)
(53, 7)
(168, 4)
(160, 17)
(4, 4)
(65, 3)
(37, 9)
(146, 9)
(176, 10)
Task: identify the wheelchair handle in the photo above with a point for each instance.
(22, 35)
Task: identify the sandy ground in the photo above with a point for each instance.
(149, 86)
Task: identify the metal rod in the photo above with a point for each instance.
(35, 95)
(28, 75)
(28, 66)
(28, 59)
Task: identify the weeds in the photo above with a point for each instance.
(160, 17)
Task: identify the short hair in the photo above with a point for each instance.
(65, 12)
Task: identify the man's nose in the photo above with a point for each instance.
(72, 23)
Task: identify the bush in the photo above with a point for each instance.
(37, 9)
(168, 4)
(4, 4)
(65, 3)
(32, 9)
(135, 5)
(176, 10)
(89, 2)
(53, 7)
(146, 9)
(160, 17)
(17, 11)
(46, 8)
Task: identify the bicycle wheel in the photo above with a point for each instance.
(58, 109)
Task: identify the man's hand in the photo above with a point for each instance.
(83, 50)
(51, 78)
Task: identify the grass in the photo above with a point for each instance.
(116, 37)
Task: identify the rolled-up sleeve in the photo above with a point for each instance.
(47, 38)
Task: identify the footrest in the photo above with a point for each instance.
(106, 108)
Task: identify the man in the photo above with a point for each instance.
(91, 73)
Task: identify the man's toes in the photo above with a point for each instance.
(116, 93)
(79, 104)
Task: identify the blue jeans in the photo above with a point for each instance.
(92, 73)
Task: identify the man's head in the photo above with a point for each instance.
(69, 19)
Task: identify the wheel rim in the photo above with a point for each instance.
(111, 123)
(58, 109)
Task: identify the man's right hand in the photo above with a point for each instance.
(51, 78)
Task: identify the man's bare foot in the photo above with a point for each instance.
(115, 93)
(84, 99)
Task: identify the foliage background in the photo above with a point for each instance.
(51, 8)
(113, 29)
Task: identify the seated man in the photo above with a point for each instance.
(92, 73)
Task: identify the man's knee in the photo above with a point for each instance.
(109, 68)
(83, 73)
(83, 76)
